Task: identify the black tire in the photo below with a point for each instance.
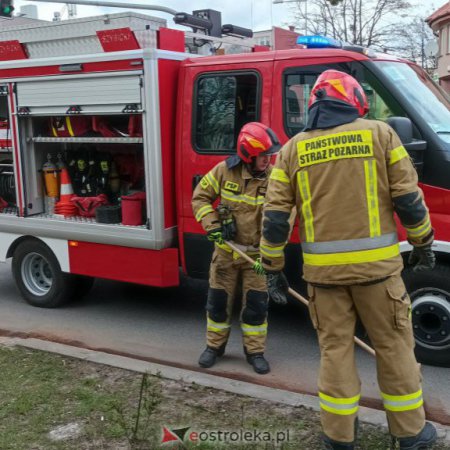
(39, 277)
(430, 297)
(82, 286)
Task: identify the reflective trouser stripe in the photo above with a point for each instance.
(305, 193)
(359, 257)
(217, 326)
(272, 252)
(350, 245)
(397, 154)
(402, 402)
(203, 211)
(419, 231)
(370, 171)
(339, 405)
(252, 330)
(213, 182)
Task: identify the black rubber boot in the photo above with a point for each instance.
(259, 363)
(423, 440)
(329, 444)
(209, 356)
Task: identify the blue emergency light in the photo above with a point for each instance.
(319, 42)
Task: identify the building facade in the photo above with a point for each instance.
(439, 22)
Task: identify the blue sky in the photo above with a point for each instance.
(255, 14)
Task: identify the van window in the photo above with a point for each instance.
(298, 84)
(223, 104)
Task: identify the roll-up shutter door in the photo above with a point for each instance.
(105, 94)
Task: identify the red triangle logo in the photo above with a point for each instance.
(168, 436)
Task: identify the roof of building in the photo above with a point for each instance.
(443, 11)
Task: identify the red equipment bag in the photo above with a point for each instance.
(70, 126)
(5, 133)
(118, 128)
(87, 205)
(3, 204)
(133, 209)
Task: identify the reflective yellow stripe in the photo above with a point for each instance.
(340, 412)
(402, 402)
(217, 326)
(69, 126)
(213, 182)
(305, 193)
(339, 405)
(279, 175)
(332, 147)
(272, 252)
(242, 198)
(203, 211)
(224, 247)
(419, 231)
(340, 400)
(397, 154)
(254, 330)
(370, 171)
(359, 257)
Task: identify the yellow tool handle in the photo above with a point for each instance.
(295, 294)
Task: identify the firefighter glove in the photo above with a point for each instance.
(229, 229)
(258, 268)
(277, 286)
(422, 258)
(215, 235)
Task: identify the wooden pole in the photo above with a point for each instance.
(296, 295)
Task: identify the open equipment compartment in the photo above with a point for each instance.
(90, 128)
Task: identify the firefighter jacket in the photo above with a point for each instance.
(345, 182)
(241, 192)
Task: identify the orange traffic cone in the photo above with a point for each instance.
(65, 207)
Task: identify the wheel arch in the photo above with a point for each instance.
(12, 248)
(58, 247)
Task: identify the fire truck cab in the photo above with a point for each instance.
(189, 111)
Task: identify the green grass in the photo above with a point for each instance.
(41, 391)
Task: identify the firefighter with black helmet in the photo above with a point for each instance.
(347, 176)
(240, 183)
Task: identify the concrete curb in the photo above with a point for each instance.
(366, 415)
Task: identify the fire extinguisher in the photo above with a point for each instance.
(50, 172)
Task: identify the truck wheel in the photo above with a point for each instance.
(430, 297)
(39, 277)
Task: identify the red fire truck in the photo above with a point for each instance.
(74, 107)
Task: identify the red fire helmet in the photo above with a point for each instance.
(256, 139)
(336, 85)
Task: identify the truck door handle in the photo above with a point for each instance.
(195, 180)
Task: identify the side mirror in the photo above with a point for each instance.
(415, 147)
(403, 127)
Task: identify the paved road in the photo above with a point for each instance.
(168, 326)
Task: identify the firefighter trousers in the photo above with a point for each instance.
(230, 274)
(384, 309)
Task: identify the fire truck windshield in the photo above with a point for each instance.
(422, 93)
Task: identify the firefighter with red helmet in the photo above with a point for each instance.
(347, 176)
(240, 183)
